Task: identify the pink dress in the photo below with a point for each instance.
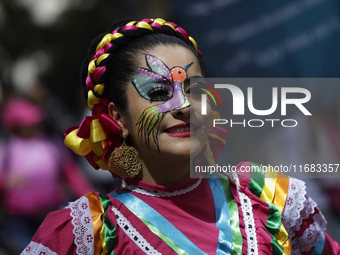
(222, 215)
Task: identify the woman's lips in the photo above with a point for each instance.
(182, 130)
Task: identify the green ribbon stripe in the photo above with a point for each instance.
(257, 180)
(109, 228)
(273, 219)
(273, 226)
(276, 247)
(160, 234)
(234, 217)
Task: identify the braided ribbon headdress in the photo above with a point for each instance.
(98, 135)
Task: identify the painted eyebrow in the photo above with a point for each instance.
(157, 81)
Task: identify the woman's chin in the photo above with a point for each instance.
(173, 148)
(183, 149)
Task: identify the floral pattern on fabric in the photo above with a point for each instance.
(298, 208)
(82, 226)
(37, 249)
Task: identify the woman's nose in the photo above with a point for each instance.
(183, 112)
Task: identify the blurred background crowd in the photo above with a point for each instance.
(42, 46)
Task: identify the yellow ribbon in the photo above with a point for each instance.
(159, 21)
(94, 143)
(92, 100)
(102, 57)
(269, 186)
(97, 134)
(281, 191)
(169, 25)
(97, 149)
(130, 23)
(92, 66)
(101, 162)
(275, 191)
(144, 25)
(116, 35)
(78, 145)
(99, 88)
(193, 42)
(108, 38)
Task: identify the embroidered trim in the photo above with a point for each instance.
(308, 208)
(295, 203)
(299, 206)
(314, 233)
(233, 176)
(311, 236)
(160, 193)
(82, 225)
(248, 217)
(133, 234)
(37, 249)
(249, 223)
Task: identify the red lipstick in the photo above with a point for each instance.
(182, 130)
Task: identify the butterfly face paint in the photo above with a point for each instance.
(159, 83)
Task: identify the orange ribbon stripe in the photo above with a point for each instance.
(97, 212)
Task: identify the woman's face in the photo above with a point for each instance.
(163, 116)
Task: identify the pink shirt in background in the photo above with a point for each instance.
(34, 172)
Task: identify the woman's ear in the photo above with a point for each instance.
(118, 118)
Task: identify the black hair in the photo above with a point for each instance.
(122, 62)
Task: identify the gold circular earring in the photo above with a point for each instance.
(125, 161)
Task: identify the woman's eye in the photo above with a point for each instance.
(159, 93)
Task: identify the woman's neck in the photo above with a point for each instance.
(165, 172)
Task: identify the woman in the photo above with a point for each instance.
(146, 120)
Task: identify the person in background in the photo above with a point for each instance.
(37, 173)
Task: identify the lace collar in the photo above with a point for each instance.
(161, 191)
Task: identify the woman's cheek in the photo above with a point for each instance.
(148, 125)
(196, 110)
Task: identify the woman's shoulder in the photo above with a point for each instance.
(77, 227)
